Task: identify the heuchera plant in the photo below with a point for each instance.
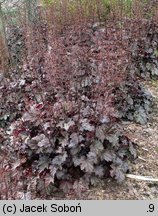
(71, 150)
(145, 53)
(66, 131)
(133, 102)
(61, 114)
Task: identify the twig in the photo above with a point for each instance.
(143, 178)
(140, 158)
(145, 149)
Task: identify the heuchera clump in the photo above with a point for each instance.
(62, 116)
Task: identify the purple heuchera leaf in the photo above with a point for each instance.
(113, 139)
(117, 173)
(59, 159)
(74, 140)
(38, 138)
(85, 125)
(77, 161)
(97, 147)
(105, 120)
(53, 170)
(87, 165)
(100, 133)
(44, 142)
(66, 186)
(43, 163)
(108, 156)
(99, 171)
(48, 180)
(60, 174)
(92, 157)
(47, 125)
(68, 125)
(94, 180)
(27, 117)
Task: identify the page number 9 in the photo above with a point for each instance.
(151, 208)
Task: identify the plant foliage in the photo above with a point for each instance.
(133, 102)
(145, 53)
